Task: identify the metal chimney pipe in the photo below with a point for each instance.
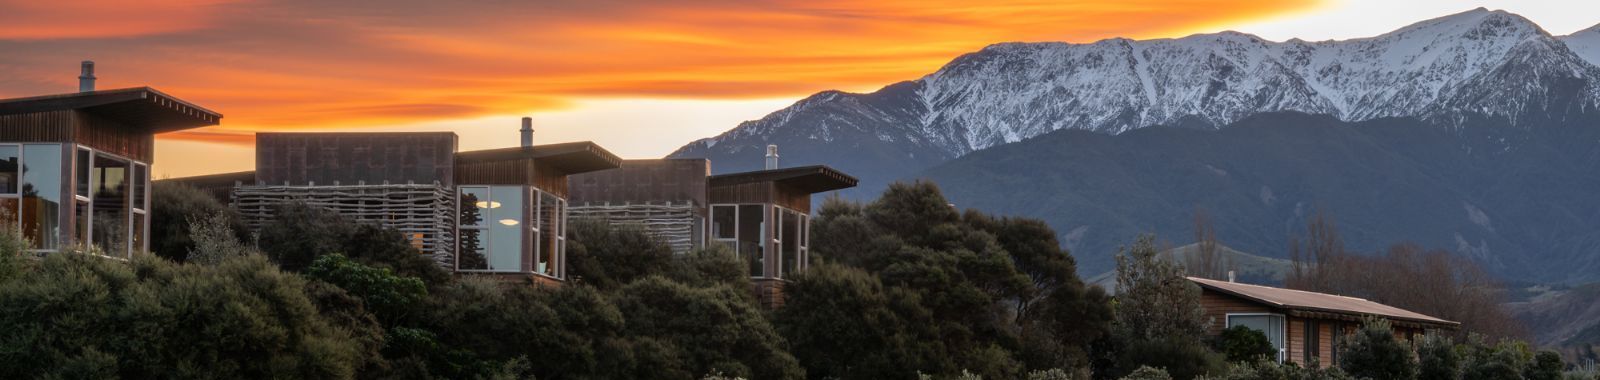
(86, 79)
(772, 156)
(527, 131)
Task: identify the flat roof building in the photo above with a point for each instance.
(75, 168)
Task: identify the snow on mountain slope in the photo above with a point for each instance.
(1482, 62)
(1585, 43)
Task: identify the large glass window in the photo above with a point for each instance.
(110, 230)
(723, 218)
(10, 164)
(549, 234)
(10, 182)
(490, 232)
(752, 238)
(471, 248)
(41, 195)
(1270, 324)
(505, 229)
(790, 234)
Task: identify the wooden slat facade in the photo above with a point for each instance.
(1217, 306)
(302, 159)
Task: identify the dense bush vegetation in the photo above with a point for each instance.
(905, 287)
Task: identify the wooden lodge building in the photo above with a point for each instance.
(499, 212)
(1302, 325)
(764, 216)
(75, 168)
(505, 211)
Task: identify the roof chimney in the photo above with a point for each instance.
(772, 156)
(1231, 277)
(527, 131)
(86, 79)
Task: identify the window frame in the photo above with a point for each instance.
(1283, 333)
(22, 158)
(738, 221)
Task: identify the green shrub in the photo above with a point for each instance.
(606, 256)
(77, 315)
(1374, 352)
(174, 208)
(299, 234)
(712, 328)
(1244, 344)
(1437, 358)
(1147, 373)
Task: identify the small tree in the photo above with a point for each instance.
(1244, 344)
(1374, 352)
(1147, 373)
(173, 209)
(608, 256)
(1437, 358)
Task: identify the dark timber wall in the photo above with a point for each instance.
(78, 127)
(644, 181)
(353, 158)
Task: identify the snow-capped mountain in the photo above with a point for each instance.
(1586, 44)
(1478, 63)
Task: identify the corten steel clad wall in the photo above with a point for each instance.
(353, 158)
(644, 181)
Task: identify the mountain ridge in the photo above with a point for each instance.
(1009, 91)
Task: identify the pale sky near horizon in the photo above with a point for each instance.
(638, 77)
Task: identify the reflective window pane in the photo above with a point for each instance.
(470, 251)
(549, 231)
(790, 235)
(722, 220)
(141, 179)
(80, 231)
(505, 228)
(41, 195)
(8, 211)
(110, 232)
(137, 233)
(752, 238)
(84, 160)
(474, 203)
(10, 164)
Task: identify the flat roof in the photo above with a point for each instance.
(140, 107)
(573, 157)
(1317, 302)
(813, 179)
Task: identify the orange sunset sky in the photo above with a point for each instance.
(639, 77)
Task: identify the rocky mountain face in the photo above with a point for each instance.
(1480, 63)
(1473, 132)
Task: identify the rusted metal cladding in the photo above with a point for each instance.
(354, 158)
(644, 181)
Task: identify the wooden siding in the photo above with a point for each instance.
(792, 198)
(550, 179)
(644, 182)
(758, 192)
(507, 172)
(109, 136)
(1217, 306)
(355, 158)
(51, 126)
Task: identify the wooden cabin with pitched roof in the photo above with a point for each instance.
(1304, 326)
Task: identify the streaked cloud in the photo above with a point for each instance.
(303, 64)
